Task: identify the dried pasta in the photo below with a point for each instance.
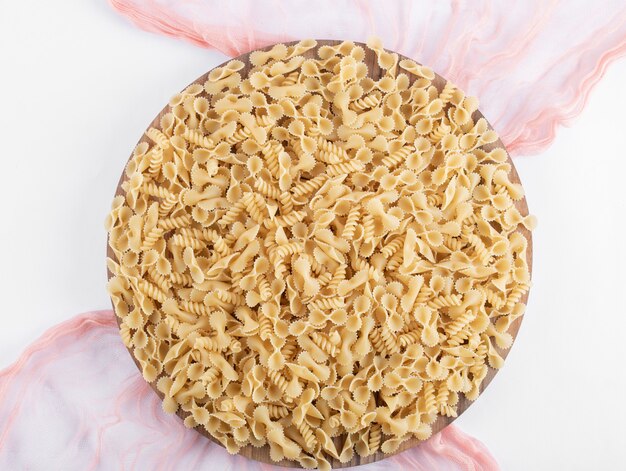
(305, 252)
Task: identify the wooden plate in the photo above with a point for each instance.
(262, 454)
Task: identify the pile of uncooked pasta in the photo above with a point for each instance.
(303, 252)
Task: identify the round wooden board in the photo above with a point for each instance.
(262, 454)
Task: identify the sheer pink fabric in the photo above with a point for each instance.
(532, 64)
(78, 393)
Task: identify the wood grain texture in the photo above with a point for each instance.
(262, 454)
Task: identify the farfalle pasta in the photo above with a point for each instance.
(305, 252)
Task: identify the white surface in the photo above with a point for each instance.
(77, 95)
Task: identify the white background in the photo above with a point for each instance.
(79, 85)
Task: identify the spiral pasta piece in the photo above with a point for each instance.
(459, 323)
(374, 438)
(228, 297)
(453, 243)
(378, 342)
(397, 157)
(208, 343)
(409, 338)
(185, 241)
(447, 92)
(198, 139)
(430, 398)
(306, 187)
(195, 308)
(277, 412)
(391, 345)
(151, 238)
(515, 295)
(338, 276)
(484, 255)
(253, 208)
(278, 379)
(424, 295)
(341, 168)
(370, 101)
(368, 227)
(393, 246)
(151, 290)
(327, 303)
(328, 157)
(156, 160)
(270, 153)
(266, 328)
(439, 132)
(443, 395)
(325, 145)
(324, 344)
(232, 214)
(174, 222)
(152, 189)
(181, 278)
(352, 220)
(445, 301)
(167, 205)
(159, 280)
(267, 189)
(159, 138)
(493, 298)
(240, 135)
(307, 434)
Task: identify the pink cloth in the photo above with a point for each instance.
(75, 400)
(532, 64)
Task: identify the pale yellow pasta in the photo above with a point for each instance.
(306, 252)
